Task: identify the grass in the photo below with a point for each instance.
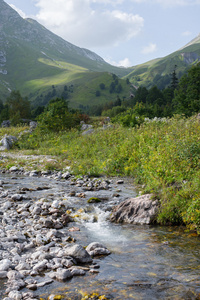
(163, 156)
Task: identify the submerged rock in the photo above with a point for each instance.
(140, 210)
(95, 249)
(78, 253)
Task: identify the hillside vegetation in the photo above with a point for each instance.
(158, 71)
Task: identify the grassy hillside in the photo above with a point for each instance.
(86, 91)
(33, 58)
(158, 72)
(87, 86)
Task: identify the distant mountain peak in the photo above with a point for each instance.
(196, 40)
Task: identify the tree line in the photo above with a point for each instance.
(181, 97)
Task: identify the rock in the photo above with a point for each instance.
(72, 229)
(85, 126)
(94, 200)
(40, 266)
(88, 132)
(139, 210)
(34, 173)
(55, 204)
(48, 223)
(5, 123)
(96, 248)
(41, 239)
(32, 125)
(15, 295)
(28, 296)
(3, 274)
(7, 142)
(72, 194)
(94, 271)
(43, 283)
(36, 211)
(32, 287)
(78, 253)
(93, 246)
(17, 197)
(77, 272)
(65, 219)
(63, 274)
(13, 169)
(66, 175)
(5, 264)
(22, 266)
(14, 275)
(120, 181)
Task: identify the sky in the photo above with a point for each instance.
(123, 32)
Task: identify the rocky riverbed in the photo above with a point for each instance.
(37, 222)
(56, 242)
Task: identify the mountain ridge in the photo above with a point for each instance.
(33, 59)
(25, 47)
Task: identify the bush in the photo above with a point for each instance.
(56, 116)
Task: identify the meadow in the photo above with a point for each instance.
(162, 156)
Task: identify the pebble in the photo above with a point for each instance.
(32, 242)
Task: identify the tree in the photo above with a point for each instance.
(140, 95)
(118, 102)
(112, 87)
(57, 117)
(119, 88)
(187, 94)
(98, 93)
(18, 107)
(174, 79)
(154, 94)
(102, 86)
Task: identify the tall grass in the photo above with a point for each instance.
(161, 155)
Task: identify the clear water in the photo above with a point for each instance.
(146, 262)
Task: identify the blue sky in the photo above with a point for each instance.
(123, 32)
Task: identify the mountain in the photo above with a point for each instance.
(42, 65)
(32, 58)
(158, 71)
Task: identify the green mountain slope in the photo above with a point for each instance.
(42, 65)
(158, 72)
(32, 57)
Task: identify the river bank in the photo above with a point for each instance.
(162, 155)
(44, 215)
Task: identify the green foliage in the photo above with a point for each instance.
(102, 86)
(56, 116)
(113, 111)
(130, 118)
(93, 200)
(98, 93)
(18, 107)
(187, 95)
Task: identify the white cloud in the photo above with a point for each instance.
(122, 63)
(170, 2)
(186, 33)
(80, 23)
(20, 12)
(125, 63)
(149, 49)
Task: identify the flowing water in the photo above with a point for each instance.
(146, 262)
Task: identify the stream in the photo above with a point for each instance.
(146, 262)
